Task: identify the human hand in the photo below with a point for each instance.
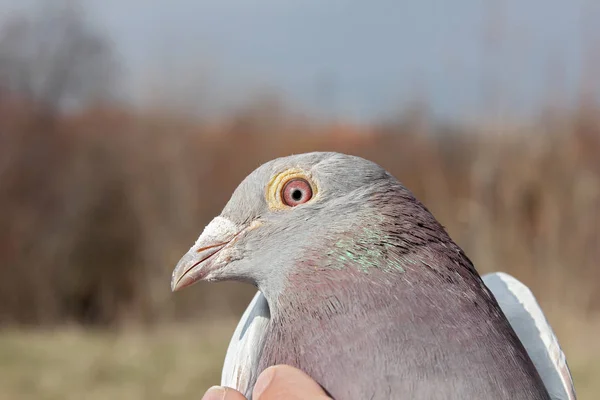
(275, 383)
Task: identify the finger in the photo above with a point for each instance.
(222, 393)
(285, 382)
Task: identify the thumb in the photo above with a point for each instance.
(286, 382)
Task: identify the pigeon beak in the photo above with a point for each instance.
(206, 255)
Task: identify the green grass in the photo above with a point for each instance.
(176, 362)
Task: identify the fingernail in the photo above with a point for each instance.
(215, 393)
(263, 382)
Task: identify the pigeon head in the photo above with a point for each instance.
(313, 210)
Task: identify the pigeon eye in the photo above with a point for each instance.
(290, 188)
(296, 191)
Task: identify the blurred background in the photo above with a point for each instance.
(126, 125)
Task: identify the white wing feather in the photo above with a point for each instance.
(241, 360)
(527, 319)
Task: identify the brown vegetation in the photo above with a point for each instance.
(96, 208)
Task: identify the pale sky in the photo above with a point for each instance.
(372, 55)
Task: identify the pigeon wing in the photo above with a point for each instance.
(529, 322)
(240, 368)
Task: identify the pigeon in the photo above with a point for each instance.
(358, 285)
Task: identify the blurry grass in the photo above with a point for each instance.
(179, 362)
(578, 337)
